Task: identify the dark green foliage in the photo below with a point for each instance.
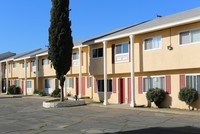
(14, 90)
(156, 95)
(188, 95)
(60, 40)
(42, 92)
(56, 93)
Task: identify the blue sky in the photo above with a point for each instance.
(24, 23)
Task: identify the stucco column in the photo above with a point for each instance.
(25, 77)
(105, 72)
(37, 64)
(80, 72)
(132, 72)
(0, 78)
(7, 71)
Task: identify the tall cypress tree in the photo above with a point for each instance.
(60, 40)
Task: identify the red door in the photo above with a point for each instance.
(83, 86)
(22, 86)
(129, 90)
(77, 86)
(121, 90)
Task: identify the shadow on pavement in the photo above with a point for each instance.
(161, 130)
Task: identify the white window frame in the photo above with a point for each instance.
(121, 54)
(69, 85)
(196, 80)
(152, 38)
(50, 80)
(103, 86)
(190, 41)
(29, 84)
(97, 54)
(153, 76)
(14, 64)
(77, 53)
(45, 63)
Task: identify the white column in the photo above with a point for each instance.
(132, 72)
(105, 72)
(1, 72)
(25, 77)
(80, 72)
(37, 64)
(7, 71)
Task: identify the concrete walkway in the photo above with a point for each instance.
(161, 110)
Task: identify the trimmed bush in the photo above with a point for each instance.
(56, 93)
(14, 90)
(188, 95)
(156, 95)
(42, 92)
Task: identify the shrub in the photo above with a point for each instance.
(156, 95)
(14, 90)
(36, 91)
(42, 92)
(188, 95)
(56, 93)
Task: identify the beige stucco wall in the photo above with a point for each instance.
(181, 57)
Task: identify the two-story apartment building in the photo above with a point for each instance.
(122, 65)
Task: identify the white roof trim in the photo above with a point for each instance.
(42, 54)
(80, 46)
(150, 29)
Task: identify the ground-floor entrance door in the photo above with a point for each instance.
(121, 90)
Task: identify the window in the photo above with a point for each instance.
(45, 61)
(152, 43)
(29, 84)
(47, 83)
(100, 84)
(193, 81)
(16, 82)
(97, 52)
(153, 82)
(122, 48)
(69, 82)
(189, 36)
(33, 63)
(24, 65)
(75, 56)
(90, 82)
(14, 64)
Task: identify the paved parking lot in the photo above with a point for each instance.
(27, 116)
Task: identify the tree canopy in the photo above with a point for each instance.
(60, 40)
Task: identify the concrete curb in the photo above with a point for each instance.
(10, 96)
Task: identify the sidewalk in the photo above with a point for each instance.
(4, 96)
(159, 110)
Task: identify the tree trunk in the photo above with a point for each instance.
(62, 80)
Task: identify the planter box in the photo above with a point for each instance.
(68, 103)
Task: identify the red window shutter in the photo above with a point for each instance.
(114, 85)
(95, 85)
(182, 81)
(140, 85)
(129, 52)
(72, 82)
(113, 54)
(88, 80)
(31, 66)
(168, 84)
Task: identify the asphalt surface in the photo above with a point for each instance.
(27, 116)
